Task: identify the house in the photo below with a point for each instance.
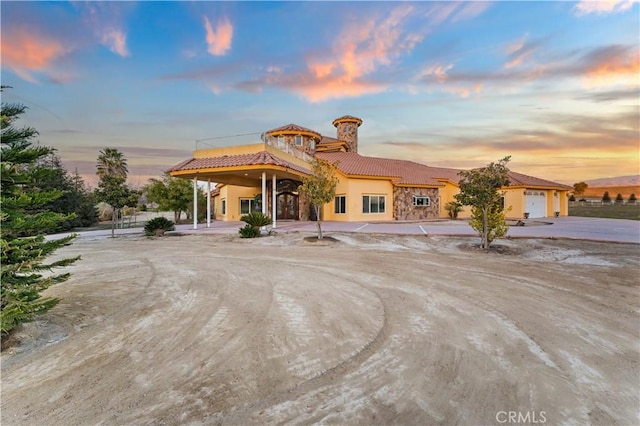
(265, 177)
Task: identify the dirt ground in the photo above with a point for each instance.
(370, 329)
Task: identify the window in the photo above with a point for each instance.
(298, 140)
(341, 204)
(245, 205)
(224, 206)
(421, 201)
(373, 204)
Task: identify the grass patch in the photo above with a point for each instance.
(615, 211)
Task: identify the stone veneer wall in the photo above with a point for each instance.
(306, 143)
(304, 207)
(348, 132)
(403, 208)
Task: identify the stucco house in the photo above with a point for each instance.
(265, 177)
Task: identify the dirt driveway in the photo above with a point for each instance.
(371, 329)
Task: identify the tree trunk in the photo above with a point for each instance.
(176, 216)
(485, 228)
(318, 222)
(113, 223)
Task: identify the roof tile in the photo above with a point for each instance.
(258, 158)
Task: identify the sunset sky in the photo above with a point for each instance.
(556, 85)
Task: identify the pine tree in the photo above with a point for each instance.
(24, 221)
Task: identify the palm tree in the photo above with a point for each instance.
(111, 162)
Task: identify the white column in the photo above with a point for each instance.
(273, 200)
(195, 203)
(208, 203)
(264, 193)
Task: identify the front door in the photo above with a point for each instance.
(287, 206)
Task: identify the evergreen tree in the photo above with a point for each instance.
(606, 198)
(619, 199)
(632, 198)
(24, 219)
(76, 202)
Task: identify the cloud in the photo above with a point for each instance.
(359, 50)
(116, 41)
(519, 51)
(588, 7)
(614, 64)
(610, 65)
(25, 51)
(471, 10)
(219, 39)
(106, 21)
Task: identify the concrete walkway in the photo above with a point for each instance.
(582, 228)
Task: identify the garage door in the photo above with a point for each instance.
(536, 204)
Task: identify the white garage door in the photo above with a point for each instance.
(536, 204)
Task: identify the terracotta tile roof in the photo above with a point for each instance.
(406, 172)
(328, 139)
(518, 179)
(293, 128)
(411, 173)
(347, 118)
(255, 159)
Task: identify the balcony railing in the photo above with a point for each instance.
(289, 149)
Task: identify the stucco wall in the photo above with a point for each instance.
(404, 208)
(354, 189)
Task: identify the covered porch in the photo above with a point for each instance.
(276, 175)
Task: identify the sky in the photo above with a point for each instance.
(555, 85)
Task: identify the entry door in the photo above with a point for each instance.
(287, 207)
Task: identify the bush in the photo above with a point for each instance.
(158, 226)
(453, 208)
(249, 231)
(256, 219)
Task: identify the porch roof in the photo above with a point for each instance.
(240, 169)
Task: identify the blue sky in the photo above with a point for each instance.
(556, 85)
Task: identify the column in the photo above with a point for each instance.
(273, 200)
(195, 203)
(208, 203)
(264, 193)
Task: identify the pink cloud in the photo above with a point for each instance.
(587, 7)
(219, 39)
(359, 50)
(616, 67)
(24, 51)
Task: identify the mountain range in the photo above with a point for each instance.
(629, 180)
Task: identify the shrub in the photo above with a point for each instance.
(632, 198)
(158, 226)
(606, 198)
(256, 219)
(619, 199)
(453, 208)
(249, 231)
(572, 197)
